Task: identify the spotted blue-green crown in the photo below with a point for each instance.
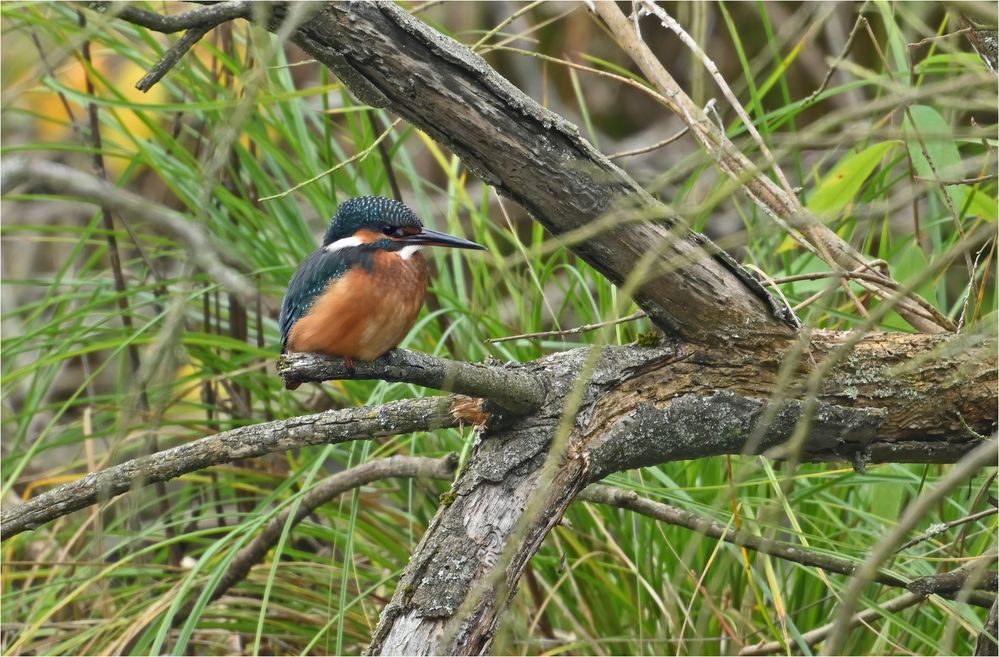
(368, 212)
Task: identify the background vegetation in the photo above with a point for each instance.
(114, 346)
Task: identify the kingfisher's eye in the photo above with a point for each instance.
(392, 231)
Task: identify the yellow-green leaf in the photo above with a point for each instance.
(983, 205)
(841, 184)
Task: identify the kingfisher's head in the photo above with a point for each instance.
(381, 223)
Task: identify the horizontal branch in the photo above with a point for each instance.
(66, 181)
(208, 16)
(330, 427)
(513, 387)
(945, 584)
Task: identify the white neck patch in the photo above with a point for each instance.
(407, 252)
(343, 243)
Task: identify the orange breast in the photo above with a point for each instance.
(363, 314)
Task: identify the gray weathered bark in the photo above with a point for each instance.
(646, 406)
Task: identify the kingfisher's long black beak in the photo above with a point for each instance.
(427, 237)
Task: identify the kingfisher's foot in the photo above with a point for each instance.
(350, 365)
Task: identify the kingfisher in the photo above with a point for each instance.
(358, 295)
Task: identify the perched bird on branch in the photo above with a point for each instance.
(358, 295)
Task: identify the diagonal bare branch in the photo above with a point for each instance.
(330, 427)
(66, 181)
(777, 203)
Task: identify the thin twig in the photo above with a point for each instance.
(503, 23)
(671, 24)
(573, 331)
(410, 467)
(935, 530)
(62, 97)
(422, 7)
(931, 39)
(360, 155)
(839, 59)
(171, 57)
(646, 149)
(960, 181)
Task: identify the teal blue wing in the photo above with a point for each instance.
(310, 279)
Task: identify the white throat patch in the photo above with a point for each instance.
(407, 252)
(343, 243)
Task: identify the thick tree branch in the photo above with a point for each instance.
(330, 427)
(513, 387)
(649, 406)
(66, 181)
